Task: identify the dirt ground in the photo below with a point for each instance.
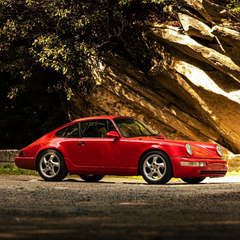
(118, 208)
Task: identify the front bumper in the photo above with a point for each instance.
(213, 168)
(26, 162)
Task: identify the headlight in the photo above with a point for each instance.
(189, 149)
(219, 150)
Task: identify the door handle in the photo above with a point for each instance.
(82, 143)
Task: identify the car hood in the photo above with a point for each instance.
(178, 148)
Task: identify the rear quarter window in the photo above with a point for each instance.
(68, 132)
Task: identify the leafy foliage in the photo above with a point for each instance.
(235, 5)
(63, 35)
(46, 51)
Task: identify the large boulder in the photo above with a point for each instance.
(192, 90)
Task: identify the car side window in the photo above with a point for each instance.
(96, 129)
(69, 132)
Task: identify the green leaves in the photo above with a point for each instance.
(234, 6)
(64, 36)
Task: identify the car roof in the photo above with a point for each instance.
(99, 117)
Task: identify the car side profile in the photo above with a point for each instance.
(116, 145)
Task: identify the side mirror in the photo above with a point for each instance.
(112, 134)
(161, 136)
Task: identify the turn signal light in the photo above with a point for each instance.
(21, 154)
(192, 164)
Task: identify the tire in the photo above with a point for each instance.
(193, 180)
(91, 177)
(156, 168)
(51, 166)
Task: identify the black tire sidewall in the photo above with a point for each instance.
(93, 178)
(193, 180)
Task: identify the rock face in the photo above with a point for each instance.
(192, 90)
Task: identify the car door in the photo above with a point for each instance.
(97, 150)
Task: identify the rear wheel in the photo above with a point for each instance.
(51, 166)
(91, 177)
(156, 167)
(193, 180)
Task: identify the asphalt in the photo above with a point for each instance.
(119, 208)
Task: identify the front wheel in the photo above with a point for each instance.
(91, 177)
(156, 168)
(51, 166)
(193, 180)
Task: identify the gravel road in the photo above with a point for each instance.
(118, 208)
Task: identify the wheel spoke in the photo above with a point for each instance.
(148, 165)
(150, 174)
(55, 164)
(160, 165)
(159, 174)
(51, 158)
(45, 161)
(155, 160)
(52, 170)
(45, 170)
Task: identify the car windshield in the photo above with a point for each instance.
(133, 128)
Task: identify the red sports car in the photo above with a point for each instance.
(95, 146)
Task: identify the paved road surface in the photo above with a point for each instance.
(118, 208)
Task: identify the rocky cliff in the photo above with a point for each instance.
(191, 89)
